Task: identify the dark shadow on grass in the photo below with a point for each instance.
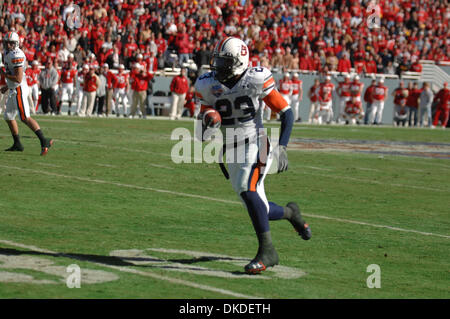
(127, 261)
(107, 260)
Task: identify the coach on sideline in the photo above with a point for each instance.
(48, 79)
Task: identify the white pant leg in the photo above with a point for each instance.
(173, 110)
(373, 112)
(379, 114)
(245, 172)
(17, 103)
(180, 104)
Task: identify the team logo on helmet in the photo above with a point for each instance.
(230, 58)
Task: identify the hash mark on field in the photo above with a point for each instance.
(85, 179)
(48, 164)
(368, 169)
(318, 168)
(161, 166)
(134, 271)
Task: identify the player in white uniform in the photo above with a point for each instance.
(17, 103)
(234, 89)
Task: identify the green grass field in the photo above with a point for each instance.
(109, 199)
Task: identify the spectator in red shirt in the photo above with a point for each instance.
(413, 103)
(371, 65)
(368, 98)
(139, 84)
(179, 87)
(344, 64)
(416, 67)
(90, 85)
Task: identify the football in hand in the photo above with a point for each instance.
(211, 118)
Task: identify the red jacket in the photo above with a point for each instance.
(179, 84)
(368, 95)
(442, 98)
(139, 81)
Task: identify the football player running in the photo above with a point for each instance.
(17, 102)
(234, 89)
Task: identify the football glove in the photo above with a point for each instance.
(282, 159)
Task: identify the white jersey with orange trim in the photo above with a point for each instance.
(239, 106)
(14, 59)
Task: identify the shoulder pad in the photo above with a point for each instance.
(259, 75)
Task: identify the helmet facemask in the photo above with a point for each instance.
(224, 66)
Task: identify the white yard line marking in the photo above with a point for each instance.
(312, 167)
(137, 272)
(85, 179)
(48, 164)
(161, 166)
(376, 182)
(368, 169)
(317, 168)
(376, 226)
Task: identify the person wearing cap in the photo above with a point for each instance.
(121, 85)
(90, 86)
(100, 96)
(296, 95)
(343, 91)
(368, 98)
(93, 63)
(79, 84)
(139, 83)
(110, 77)
(325, 109)
(356, 87)
(426, 100)
(413, 104)
(140, 60)
(48, 79)
(442, 100)
(33, 83)
(68, 76)
(179, 86)
(400, 110)
(379, 96)
(313, 95)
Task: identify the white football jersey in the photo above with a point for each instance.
(239, 106)
(13, 59)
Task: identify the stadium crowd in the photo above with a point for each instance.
(112, 37)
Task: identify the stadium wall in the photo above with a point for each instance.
(162, 83)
